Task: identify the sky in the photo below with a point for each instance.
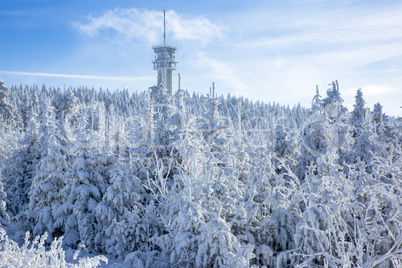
(271, 51)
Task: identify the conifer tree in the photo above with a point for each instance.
(85, 183)
(20, 167)
(359, 111)
(120, 215)
(316, 103)
(4, 217)
(5, 107)
(66, 107)
(44, 198)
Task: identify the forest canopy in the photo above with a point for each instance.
(200, 181)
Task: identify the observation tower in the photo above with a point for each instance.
(165, 61)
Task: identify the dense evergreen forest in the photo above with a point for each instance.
(198, 181)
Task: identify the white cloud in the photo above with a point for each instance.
(147, 26)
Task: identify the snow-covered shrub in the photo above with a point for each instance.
(35, 254)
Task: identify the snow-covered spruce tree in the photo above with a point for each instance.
(353, 220)
(366, 145)
(5, 107)
(161, 111)
(363, 133)
(44, 195)
(316, 103)
(377, 222)
(197, 233)
(11, 125)
(164, 157)
(8, 141)
(163, 134)
(20, 167)
(383, 128)
(66, 107)
(325, 130)
(44, 198)
(284, 148)
(4, 217)
(120, 215)
(83, 124)
(338, 117)
(213, 132)
(194, 213)
(22, 103)
(110, 129)
(269, 211)
(315, 137)
(180, 118)
(213, 127)
(85, 182)
(327, 201)
(358, 113)
(378, 116)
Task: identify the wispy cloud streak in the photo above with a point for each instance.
(80, 76)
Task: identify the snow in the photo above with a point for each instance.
(150, 180)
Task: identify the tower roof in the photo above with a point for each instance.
(163, 48)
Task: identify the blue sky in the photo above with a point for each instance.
(273, 51)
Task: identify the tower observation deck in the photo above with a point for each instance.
(165, 61)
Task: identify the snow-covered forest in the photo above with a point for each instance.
(197, 181)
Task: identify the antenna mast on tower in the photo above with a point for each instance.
(164, 28)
